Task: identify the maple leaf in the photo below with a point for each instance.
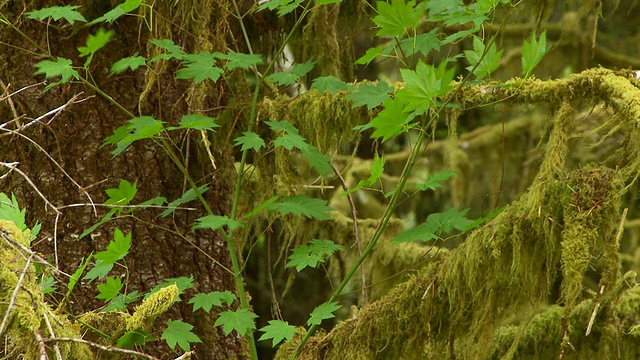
(178, 332)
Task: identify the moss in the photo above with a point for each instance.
(152, 307)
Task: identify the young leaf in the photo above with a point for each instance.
(329, 83)
(286, 78)
(424, 84)
(68, 12)
(175, 51)
(196, 122)
(435, 180)
(533, 52)
(370, 95)
(215, 222)
(138, 128)
(117, 249)
(396, 18)
(188, 196)
(134, 337)
(486, 64)
(206, 301)
(61, 67)
(368, 56)
(110, 289)
(249, 140)
(178, 332)
(435, 225)
(376, 168)
(278, 330)
(122, 9)
(183, 283)
(95, 43)
(121, 301)
(310, 255)
(244, 61)
(122, 195)
(47, 285)
(322, 312)
(10, 210)
(124, 64)
(240, 320)
(200, 67)
(392, 120)
(300, 205)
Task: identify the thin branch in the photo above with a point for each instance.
(41, 345)
(102, 347)
(13, 166)
(50, 328)
(5, 320)
(31, 253)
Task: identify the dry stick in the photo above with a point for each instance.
(354, 215)
(102, 347)
(50, 328)
(41, 345)
(8, 97)
(5, 320)
(599, 300)
(41, 260)
(13, 166)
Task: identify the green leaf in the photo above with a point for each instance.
(322, 312)
(121, 301)
(10, 210)
(196, 122)
(61, 67)
(156, 201)
(124, 64)
(200, 67)
(435, 180)
(292, 139)
(244, 61)
(260, 207)
(435, 225)
(533, 52)
(286, 78)
(138, 128)
(395, 19)
(329, 83)
(122, 9)
(319, 161)
(178, 332)
(300, 205)
(424, 84)
(95, 43)
(188, 196)
(485, 218)
(421, 44)
(283, 6)
(116, 250)
(249, 140)
(206, 301)
(134, 337)
(73, 280)
(175, 51)
(99, 271)
(183, 283)
(110, 289)
(283, 125)
(240, 320)
(392, 120)
(215, 222)
(68, 13)
(278, 330)
(370, 95)
(486, 64)
(368, 57)
(47, 285)
(326, 2)
(376, 168)
(122, 195)
(310, 255)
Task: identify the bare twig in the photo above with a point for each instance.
(354, 215)
(50, 328)
(13, 166)
(5, 320)
(55, 112)
(31, 253)
(41, 345)
(102, 347)
(186, 355)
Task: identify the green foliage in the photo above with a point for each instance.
(121, 301)
(243, 61)
(486, 59)
(392, 120)
(68, 13)
(117, 249)
(249, 140)
(283, 7)
(178, 332)
(397, 18)
(124, 64)
(75, 277)
(135, 337)
(302, 205)
(200, 67)
(215, 222)
(424, 85)
(323, 312)
(291, 76)
(174, 51)
(370, 95)
(188, 196)
(435, 225)
(110, 289)
(240, 320)
(533, 52)
(291, 139)
(10, 210)
(376, 168)
(435, 180)
(196, 122)
(278, 330)
(122, 195)
(95, 43)
(310, 255)
(217, 298)
(329, 83)
(118, 11)
(183, 283)
(138, 128)
(51, 69)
